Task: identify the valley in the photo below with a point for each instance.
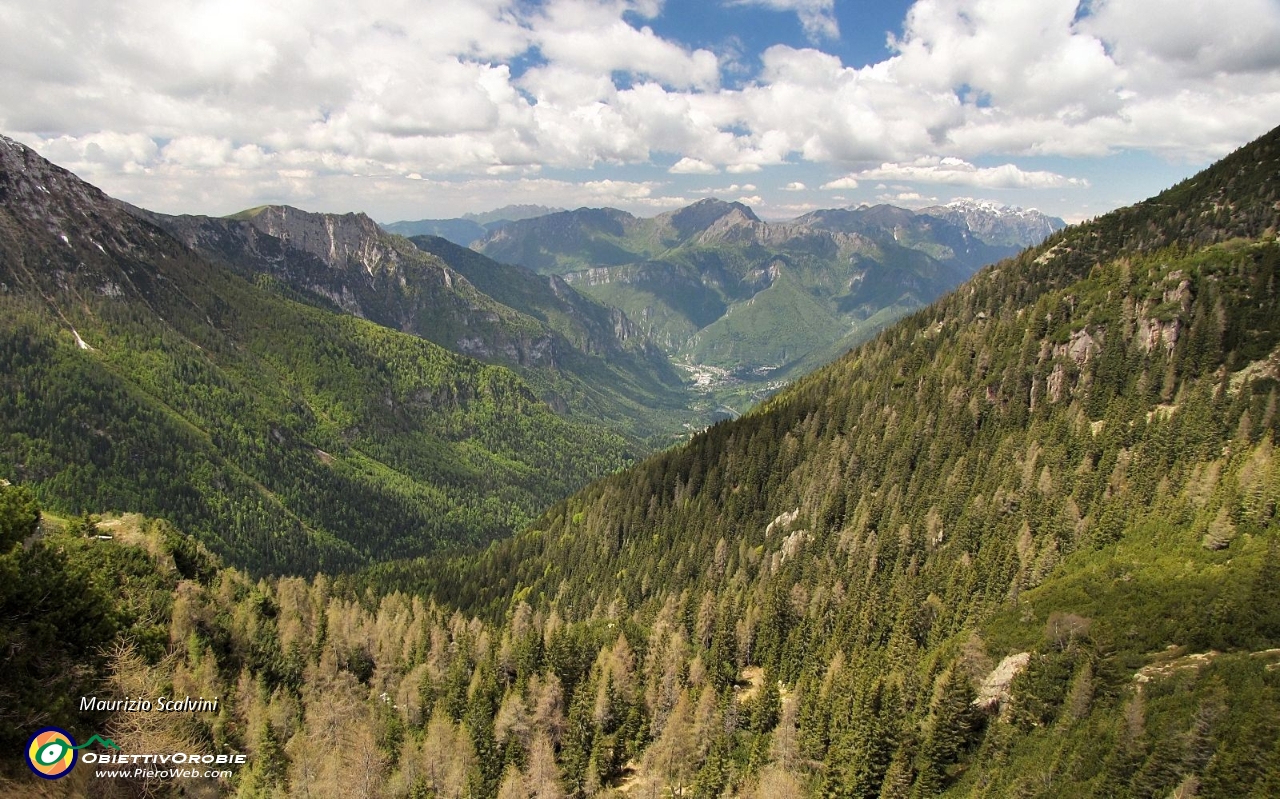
(763, 303)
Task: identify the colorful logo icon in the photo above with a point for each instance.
(51, 753)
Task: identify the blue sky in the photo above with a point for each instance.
(863, 27)
(408, 109)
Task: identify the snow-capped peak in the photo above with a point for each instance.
(990, 206)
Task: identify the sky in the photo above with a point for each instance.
(414, 109)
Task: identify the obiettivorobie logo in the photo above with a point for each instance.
(51, 752)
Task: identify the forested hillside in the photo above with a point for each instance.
(1023, 543)
(137, 375)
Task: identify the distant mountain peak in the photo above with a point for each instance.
(470, 228)
(993, 207)
(716, 204)
(709, 216)
(996, 223)
(974, 202)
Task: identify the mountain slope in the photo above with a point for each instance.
(139, 375)
(1024, 542)
(458, 231)
(582, 360)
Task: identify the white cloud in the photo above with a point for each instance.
(956, 172)
(592, 37)
(242, 100)
(1128, 74)
(907, 199)
(692, 166)
(846, 182)
(794, 186)
(1022, 57)
(808, 103)
(618, 189)
(1199, 37)
(816, 16)
(786, 211)
(126, 152)
(723, 190)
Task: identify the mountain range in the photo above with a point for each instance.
(746, 305)
(1023, 541)
(743, 306)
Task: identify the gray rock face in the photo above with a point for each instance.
(60, 236)
(340, 241)
(53, 200)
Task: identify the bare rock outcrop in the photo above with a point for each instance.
(994, 693)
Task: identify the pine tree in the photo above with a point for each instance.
(19, 515)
